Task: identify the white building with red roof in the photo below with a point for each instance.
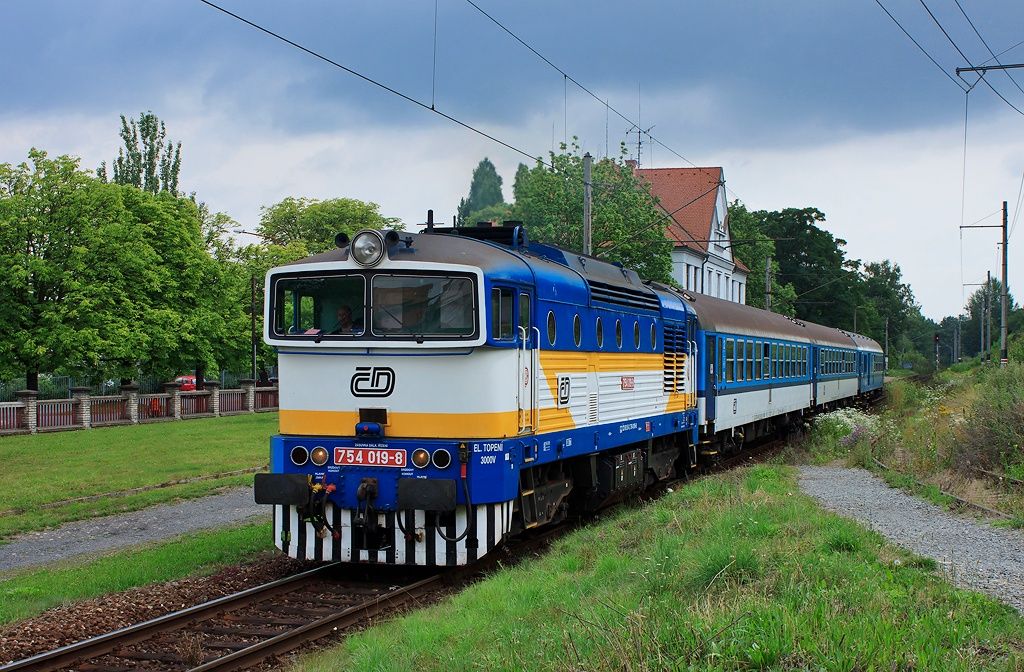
(702, 258)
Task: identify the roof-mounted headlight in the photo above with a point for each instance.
(367, 248)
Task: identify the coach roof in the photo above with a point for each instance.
(730, 317)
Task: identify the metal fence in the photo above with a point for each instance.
(109, 410)
(232, 401)
(56, 413)
(12, 417)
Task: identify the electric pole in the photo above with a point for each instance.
(1003, 359)
(768, 283)
(988, 318)
(587, 224)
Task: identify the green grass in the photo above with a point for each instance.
(735, 572)
(32, 591)
(63, 465)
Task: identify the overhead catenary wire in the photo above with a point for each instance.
(567, 77)
(992, 53)
(981, 77)
(918, 45)
(370, 80)
(1016, 210)
(430, 108)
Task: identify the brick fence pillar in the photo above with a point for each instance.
(174, 389)
(213, 386)
(83, 410)
(249, 385)
(29, 398)
(131, 391)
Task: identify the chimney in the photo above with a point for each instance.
(631, 163)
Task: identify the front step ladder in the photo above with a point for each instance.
(528, 499)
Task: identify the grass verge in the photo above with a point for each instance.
(49, 467)
(735, 572)
(29, 592)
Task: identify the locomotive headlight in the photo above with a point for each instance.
(299, 456)
(319, 456)
(367, 248)
(441, 458)
(420, 458)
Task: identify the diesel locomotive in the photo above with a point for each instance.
(442, 390)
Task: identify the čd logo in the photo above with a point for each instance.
(373, 381)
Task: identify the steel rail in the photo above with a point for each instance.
(66, 656)
(293, 639)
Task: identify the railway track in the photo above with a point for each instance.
(237, 631)
(256, 625)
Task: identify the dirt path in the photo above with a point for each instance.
(130, 529)
(972, 554)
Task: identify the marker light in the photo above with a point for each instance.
(367, 248)
(441, 458)
(319, 456)
(420, 458)
(299, 456)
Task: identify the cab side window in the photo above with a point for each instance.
(501, 314)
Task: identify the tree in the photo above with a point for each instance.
(754, 248)
(813, 261)
(72, 263)
(144, 161)
(627, 225)
(484, 191)
(315, 223)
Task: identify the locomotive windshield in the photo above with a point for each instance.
(374, 306)
(422, 305)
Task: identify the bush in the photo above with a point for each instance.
(993, 433)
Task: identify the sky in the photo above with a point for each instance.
(822, 103)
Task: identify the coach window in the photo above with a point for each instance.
(524, 314)
(790, 360)
(803, 361)
(766, 359)
(577, 330)
(757, 360)
(501, 314)
(730, 360)
(751, 375)
(600, 333)
(618, 334)
(551, 327)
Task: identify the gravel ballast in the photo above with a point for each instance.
(130, 529)
(972, 554)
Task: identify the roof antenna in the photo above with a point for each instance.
(430, 220)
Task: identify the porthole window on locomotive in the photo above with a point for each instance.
(551, 327)
(636, 334)
(577, 330)
(618, 334)
(600, 333)
(654, 337)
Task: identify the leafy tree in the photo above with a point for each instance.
(484, 191)
(498, 212)
(72, 262)
(628, 226)
(753, 247)
(144, 161)
(315, 223)
(813, 261)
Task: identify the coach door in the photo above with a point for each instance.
(528, 366)
(714, 360)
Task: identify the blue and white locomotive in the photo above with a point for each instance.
(441, 391)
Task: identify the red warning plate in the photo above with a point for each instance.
(370, 457)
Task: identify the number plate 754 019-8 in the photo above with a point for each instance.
(370, 457)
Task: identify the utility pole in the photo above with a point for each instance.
(1004, 308)
(885, 355)
(252, 309)
(587, 224)
(768, 283)
(988, 318)
(1003, 359)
